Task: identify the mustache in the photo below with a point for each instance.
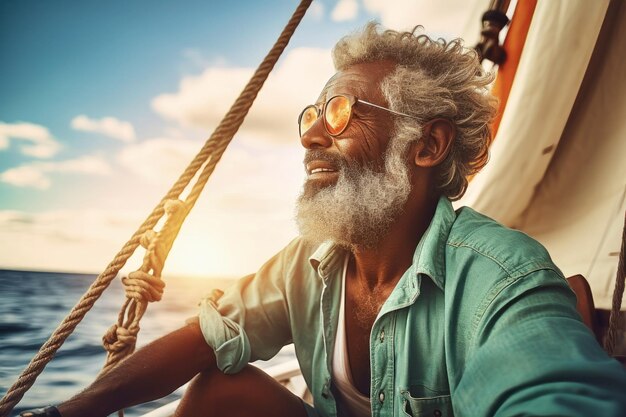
(336, 161)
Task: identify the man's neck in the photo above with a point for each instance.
(385, 264)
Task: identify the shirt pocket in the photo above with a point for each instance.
(439, 406)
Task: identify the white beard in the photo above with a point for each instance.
(359, 209)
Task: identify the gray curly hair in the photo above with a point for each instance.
(433, 79)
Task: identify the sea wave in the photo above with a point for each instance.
(32, 304)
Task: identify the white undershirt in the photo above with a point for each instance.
(355, 403)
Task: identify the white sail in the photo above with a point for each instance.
(558, 163)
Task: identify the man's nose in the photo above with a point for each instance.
(316, 137)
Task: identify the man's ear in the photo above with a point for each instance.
(435, 144)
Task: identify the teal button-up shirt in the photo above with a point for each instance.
(481, 324)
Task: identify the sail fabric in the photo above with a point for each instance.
(559, 44)
(577, 210)
(557, 167)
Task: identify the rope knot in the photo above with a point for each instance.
(172, 206)
(147, 237)
(142, 286)
(118, 338)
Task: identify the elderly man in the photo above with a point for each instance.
(396, 304)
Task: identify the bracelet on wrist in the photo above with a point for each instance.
(49, 411)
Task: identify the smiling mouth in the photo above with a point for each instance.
(317, 170)
(322, 166)
(321, 171)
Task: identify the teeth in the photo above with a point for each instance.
(313, 171)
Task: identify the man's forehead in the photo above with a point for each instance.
(345, 82)
(357, 79)
(349, 75)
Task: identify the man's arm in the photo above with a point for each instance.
(150, 373)
(250, 321)
(532, 355)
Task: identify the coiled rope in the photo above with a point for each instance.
(159, 244)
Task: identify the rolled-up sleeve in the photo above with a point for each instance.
(250, 320)
(225, 336)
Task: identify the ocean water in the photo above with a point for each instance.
(32, 304)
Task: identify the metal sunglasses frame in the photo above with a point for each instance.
(321, 111)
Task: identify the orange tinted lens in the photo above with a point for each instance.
(307, 118)
(337, 114)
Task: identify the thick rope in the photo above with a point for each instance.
(618, 295)
(141, 287)
(212, 150)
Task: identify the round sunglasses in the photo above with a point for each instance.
(337, 112)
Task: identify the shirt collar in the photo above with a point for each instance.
(326, 258)
(428, 258)
(429, 255)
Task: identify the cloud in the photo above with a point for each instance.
(35, 174)
(247, 170)
(39, 141)
(107, 126)
(250, 177)
(316, 10)
(158, 160)
(69, 225)
(202, 100)
(65, 240)
(268, 178)
(345, 10)
(26, 176)
(249, 199)
(449, 19)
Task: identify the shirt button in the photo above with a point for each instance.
(382, 335)
(381, 397)
(437, 413)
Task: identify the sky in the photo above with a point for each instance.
(103, 104)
